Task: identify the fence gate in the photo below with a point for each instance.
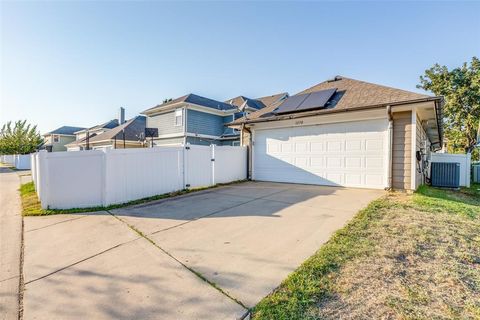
(199, 166)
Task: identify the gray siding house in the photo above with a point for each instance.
(198, 120)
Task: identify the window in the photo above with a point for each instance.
(236, 143)
(178, 117)
(55, 138)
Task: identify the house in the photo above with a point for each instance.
(113, 134)
(80, 142)
(57, 139)
(198, 120)
(345, 132)
(130, 134)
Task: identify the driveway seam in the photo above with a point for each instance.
(196, 273)
(82, 260)
(54, 224)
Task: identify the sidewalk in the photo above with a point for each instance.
(10, 243)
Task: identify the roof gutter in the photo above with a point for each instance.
(322, 111)
(439, 116)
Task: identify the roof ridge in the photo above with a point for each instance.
(361, 81)
(273, 95)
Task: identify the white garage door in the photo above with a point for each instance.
(348, 154)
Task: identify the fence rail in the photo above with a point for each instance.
(99, 178)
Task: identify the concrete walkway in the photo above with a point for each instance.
(10, 243)
(205, 255)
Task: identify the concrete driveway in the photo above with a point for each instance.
(206, 255)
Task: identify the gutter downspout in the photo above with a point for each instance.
(249, 149)
(390, 148)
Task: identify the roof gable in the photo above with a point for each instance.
(356, 93)
(66, 130)
(193, 99)
(132, 128)
(350, 94)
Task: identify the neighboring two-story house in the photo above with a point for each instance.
(80, 142)
(198, 120)
(57, 139)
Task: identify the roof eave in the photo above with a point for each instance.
(321, 111)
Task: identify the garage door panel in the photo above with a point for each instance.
(316, 146)
(373, 144)
(353, 163)
(346, 154)
(353, 145)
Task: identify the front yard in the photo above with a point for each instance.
(403, 257)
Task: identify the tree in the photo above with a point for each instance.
(461, 89)
(23, 138)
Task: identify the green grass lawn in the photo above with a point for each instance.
(403, 257)
(31, 205)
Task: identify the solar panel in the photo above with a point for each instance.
(307, 101)
(291, 103)
(316, 99)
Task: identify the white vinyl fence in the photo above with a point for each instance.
(463, 159)
(22, 161)
(103, 177)
(19, 161)
(8, 159)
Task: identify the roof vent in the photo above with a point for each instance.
(336, 78)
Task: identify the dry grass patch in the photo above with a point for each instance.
(404, 257)
(423, 266)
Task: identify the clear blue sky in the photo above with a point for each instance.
(72, 63)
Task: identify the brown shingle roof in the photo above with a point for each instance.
(359, 93)
(266, 101)
(350, 94)
(269, 100)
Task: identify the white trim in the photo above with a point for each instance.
(160, 109)
(222, 113)
(170, 135)
(188, 105)
(178, 113)
(199, 135)
(413, 164)
(326, 118)
(58, 134)
(185, 124)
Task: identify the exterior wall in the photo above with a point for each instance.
(207, 142)
(83, 134)
(165, 123)
(420, 139)
(60, 145)
(169, 141)
(230, 142)
(201, 141)
(228, 119)
(205, 123)
(110, 145)
(402, 150)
